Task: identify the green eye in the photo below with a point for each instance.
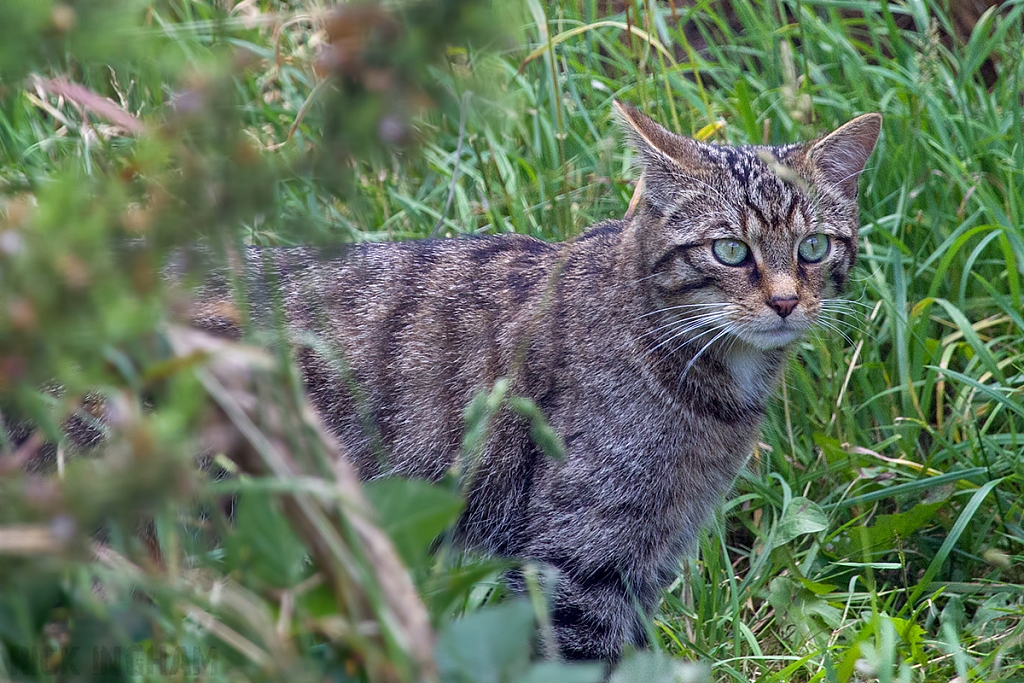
(730, 252)
(814, 248)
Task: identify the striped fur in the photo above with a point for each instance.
(656, 405)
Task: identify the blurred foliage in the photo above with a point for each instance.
(102, 500)
(878, 532)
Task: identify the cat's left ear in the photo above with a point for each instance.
(839, 157)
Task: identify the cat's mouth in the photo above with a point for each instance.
(772, 336)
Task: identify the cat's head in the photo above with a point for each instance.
(752, 241)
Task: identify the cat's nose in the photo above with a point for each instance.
(783, 305)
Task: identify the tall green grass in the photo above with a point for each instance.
(877, 533)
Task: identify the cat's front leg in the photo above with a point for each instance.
(595, 613)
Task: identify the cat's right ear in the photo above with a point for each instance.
(668, 161)
(839, 157)
(654, 143)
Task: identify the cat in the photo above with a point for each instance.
(650, 345)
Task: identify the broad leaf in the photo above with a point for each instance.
(413, 513)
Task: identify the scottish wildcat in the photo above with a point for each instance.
(651, 345)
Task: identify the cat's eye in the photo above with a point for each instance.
(730, 252)
(813, 248)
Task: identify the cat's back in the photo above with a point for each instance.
(355, 280)
(395, 339)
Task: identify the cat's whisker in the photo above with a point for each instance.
(815, 203)
(681, 306)
(848, 313)
(852, 318)
(847, 303)
(699, 320)
(845, 321)
(683, 325)
(856, 329)
(841, 315)
(725, 324)
(846, 337)
(677, 334)
(844, 324)
(841, 305)
(728, 328)
(827, 324)
(855, 302)
(732, 342)
(823, 335)
(837, 311)
(646, 277)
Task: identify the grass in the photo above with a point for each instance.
(877, 534)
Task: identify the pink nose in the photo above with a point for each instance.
(783, 305)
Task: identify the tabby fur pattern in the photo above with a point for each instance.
(650, 358)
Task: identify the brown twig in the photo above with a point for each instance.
(104, 107)
(231, 377)
(634, 201)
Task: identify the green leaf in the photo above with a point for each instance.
(970, 336)
(801, 516)
(992, 616)
(412, 512)
(490, 646)
(815, 587)
(913, 636)
(444, 591)
(801, 609)
(560, 672)
(540, 431)
(478, 417)
(263, 543)
(886, 529)
(657, 667)
(1000, 397)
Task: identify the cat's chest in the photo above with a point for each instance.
(696, 445)
(749, 375)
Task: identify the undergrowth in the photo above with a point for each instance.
(877, 532)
